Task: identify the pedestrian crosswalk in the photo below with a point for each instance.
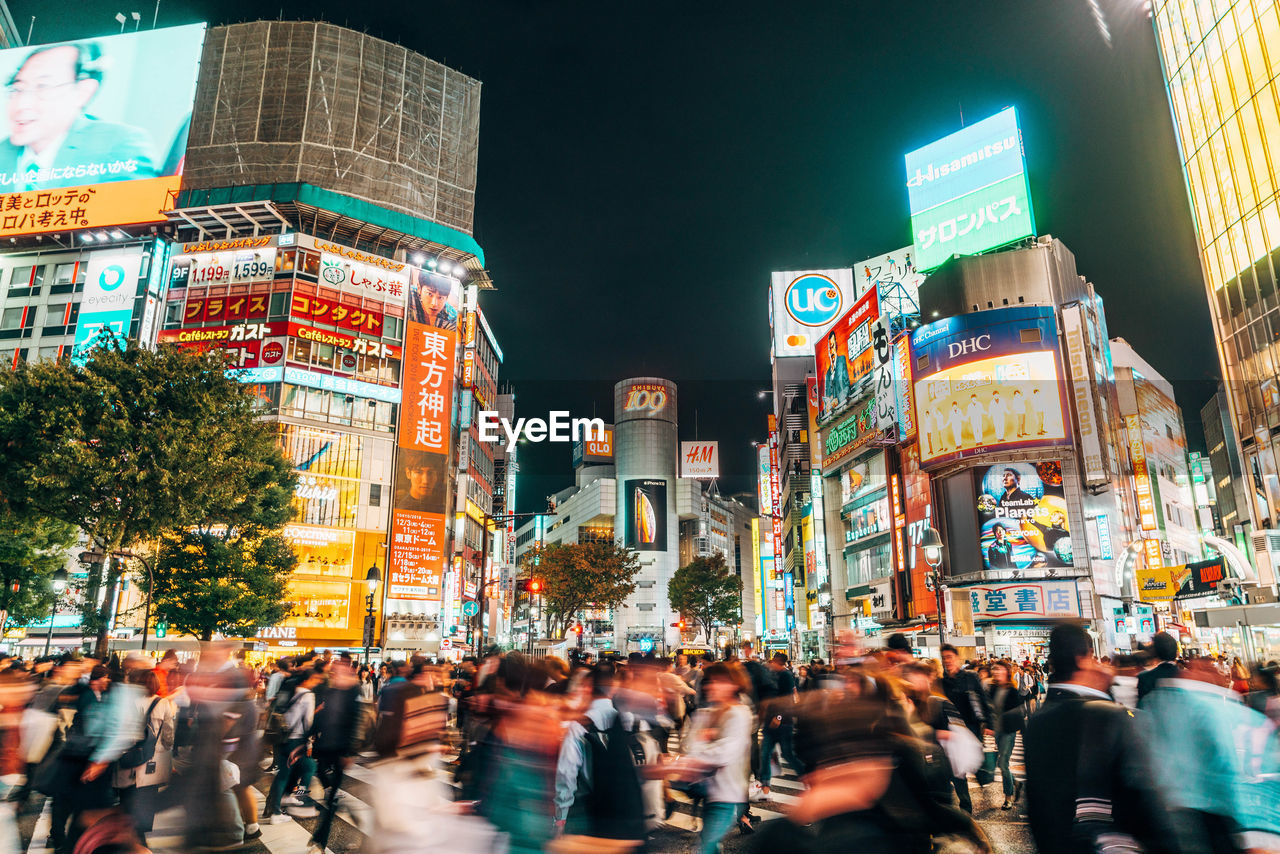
(354, 819)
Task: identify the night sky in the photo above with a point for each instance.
(644, 166)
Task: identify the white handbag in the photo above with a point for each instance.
(963, 750)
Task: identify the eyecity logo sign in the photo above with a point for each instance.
(559, 427)
(813, 300)
(111, 277)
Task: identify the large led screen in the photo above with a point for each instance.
(1023, 513)
(844, 356)
(95, 130)
(646, 504)
(988, 381)
(968, 192)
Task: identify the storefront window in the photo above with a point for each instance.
(322, 551)
(874, 561)
(319, 604)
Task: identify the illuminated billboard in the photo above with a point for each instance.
(591, 451)
(700, 459)
(110, 290)
(418, 521)
(96, 129)
(844, 356)
(804, 305)
(646, 515)
(968, 192)
(988, 381)
(1023, 513)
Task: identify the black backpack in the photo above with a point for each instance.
(613, 807)
(144, 749)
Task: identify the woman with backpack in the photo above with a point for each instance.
(150, 761)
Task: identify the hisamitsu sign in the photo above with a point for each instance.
(968, 192)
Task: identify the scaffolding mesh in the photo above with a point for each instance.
(284, 101)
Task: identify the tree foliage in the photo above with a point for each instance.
(577, 576)
(230, 583)
(707, 593)
(133, 444)
(32, 548)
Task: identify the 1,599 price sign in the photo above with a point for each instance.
(223, 268)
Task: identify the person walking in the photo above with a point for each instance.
(334, 731)
(295, 766)
(717, 752)
(1164, 649)
(966, 694)
(139, 786)
(1089, 777)
(777, 721)
(1007, 703)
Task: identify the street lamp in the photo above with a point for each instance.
(931, 544)
(59, 583)
(371, 579)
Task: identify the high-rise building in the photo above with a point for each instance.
(1220, 66)
(1231, 513)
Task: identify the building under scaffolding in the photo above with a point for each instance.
(283, 102)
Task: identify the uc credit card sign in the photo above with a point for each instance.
(968, 192)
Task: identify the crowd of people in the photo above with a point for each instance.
(1153, 751)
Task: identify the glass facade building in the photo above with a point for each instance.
(1221, 62)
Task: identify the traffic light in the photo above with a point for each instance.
(577, 629)
(535, 585)
(162, 629)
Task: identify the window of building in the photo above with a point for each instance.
(375, 495)
(11, 318)
(278, 307)
(64, 274)
(55, 314)
(173, 314)
(20, 276)
(393, 327)
(48, 354)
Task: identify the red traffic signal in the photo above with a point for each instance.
(535, 585)
(577, 629)
(679, 624)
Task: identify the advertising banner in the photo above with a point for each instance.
(844, 356)
(700, 459)
(646, 515)
(1025, 600)
(1081, 366)
(775, 489)
(1156, 584)
(316, 309)
(1203, 577)
(230, 267)
(649, 400)
(854, 431)
(110, 289)
(97, 129)
(918, 508)
(804, 305)
(595, 451)
(764, 492)
(895, 279)
(418, 524)
(905, 397)
(215, 309)
(968, 192)
(988, 381)
(886, 393)
(373, 277)
(1141, 478)
(1023, 514)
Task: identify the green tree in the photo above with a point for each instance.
(577, 576)
(132, 444)
(706, 592)
(32, 548)
(227, 582)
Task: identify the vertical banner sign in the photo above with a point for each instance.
(886, 396)
(815, 485)
(758, 552)
(110, 287)
(418, 525)
(1141, 478)
(905, 396)
(762, 482)
(1154, 554)
(1086, 413)
(775, 491)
